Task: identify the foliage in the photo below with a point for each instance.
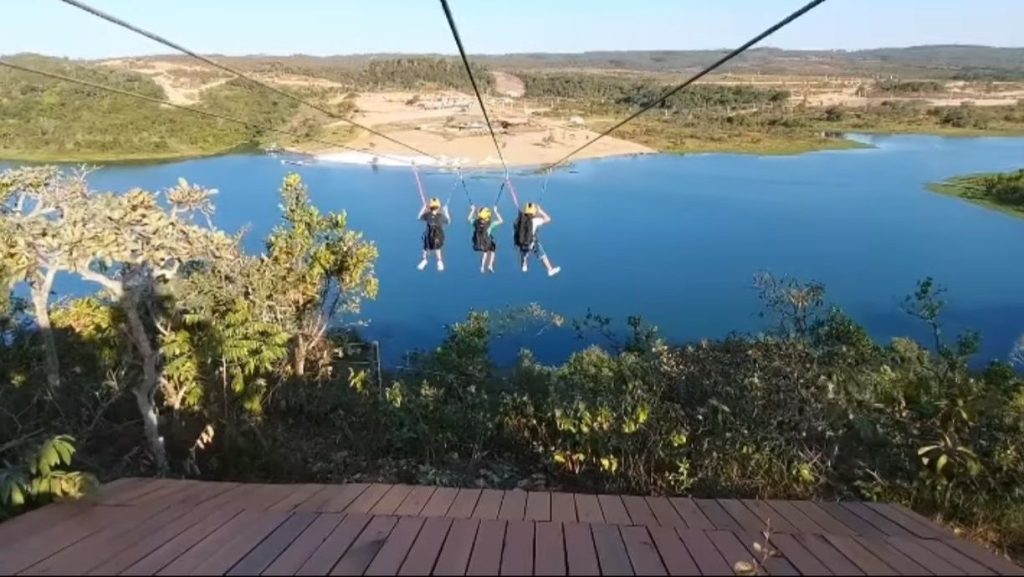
(910, 86)
(35, 473)
(1002, 190)
(53, 120)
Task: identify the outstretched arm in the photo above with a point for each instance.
(447, 215)
(472, 212)
(497, 216)
(423, 210)
(544, 215)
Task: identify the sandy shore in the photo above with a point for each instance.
(528, 149)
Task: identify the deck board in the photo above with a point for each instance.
(149, 526)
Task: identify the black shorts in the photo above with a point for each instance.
(534, 248)
(433, 241)
(489, 246)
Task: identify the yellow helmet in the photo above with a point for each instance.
(531, 209)
(485, 213)
(435, 203)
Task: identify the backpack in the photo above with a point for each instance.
(524, 231)
(481, 240)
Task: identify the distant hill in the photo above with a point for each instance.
(939, 61)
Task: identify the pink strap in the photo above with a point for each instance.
(512, 189)
(419, 184)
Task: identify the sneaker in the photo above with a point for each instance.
(422, 265)
(525, 268)
(490, 269)
(554, 271)
(440, 266)
(482, 270)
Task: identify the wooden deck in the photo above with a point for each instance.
(152, 526)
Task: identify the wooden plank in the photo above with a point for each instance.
(549, 558)
(457, 548)
(260, 558)
(413, 504)
(389, 503)
(563, 507)
(854, 522)
(440, 502)
(209, 496)
(944, 531)
(226, 546)
(704, 553)
(588, 509)
(691, 513)
(165, 546)
(738, 511)
(613, 509)
(427, 547)
(364, 502)
(993, 561)
(580, 556)
(639, 512)
(318, 503)
(830, 525)
(796, 517)
(611, 551)
(94, 549)
(359, 556)
(674, 555)
(864, 559)
(513, 506)
(884, 525)
(464, 503)
(643, 555)
(486, 557)
(336, 545)
(769, 517)
(955, 558)
(925, 530)
(24, 554)
(538, 506)
(392, 553)
(489, 504)
(299, 494)
(664, 513)
(729, 547)
(892, 557)
(836, 562)
(517, 554)
(265, 497)
(775, 564)
(137, 491)
(167, 492)
(718, 516)
(923, 556)
(800, 557)
(33, 523)
(302, 548)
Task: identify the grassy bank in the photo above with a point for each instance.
(1001, 191)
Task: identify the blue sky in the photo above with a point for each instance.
(324, 27)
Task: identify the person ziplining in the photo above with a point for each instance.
(436, 217)
(484, 222)
(528, 223)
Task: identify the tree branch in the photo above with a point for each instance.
(115, 288)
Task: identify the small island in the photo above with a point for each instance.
(1002, 191)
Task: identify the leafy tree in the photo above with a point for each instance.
(35, 473)
(315, 271)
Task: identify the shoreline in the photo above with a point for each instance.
(397, 158)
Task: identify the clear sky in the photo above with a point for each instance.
(324, 27)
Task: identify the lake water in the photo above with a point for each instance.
(675, 239)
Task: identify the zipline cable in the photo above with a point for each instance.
(157, 38)
(136, 95)
(778, 26)
(472, 80)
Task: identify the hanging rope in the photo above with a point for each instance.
(168, 43)
(661, 99)
(472, 80)
(419, 184)
(512, 191)
(460, 180)
(544, 187)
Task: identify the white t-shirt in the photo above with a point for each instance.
(537, 222)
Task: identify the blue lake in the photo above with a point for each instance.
(675, 239)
